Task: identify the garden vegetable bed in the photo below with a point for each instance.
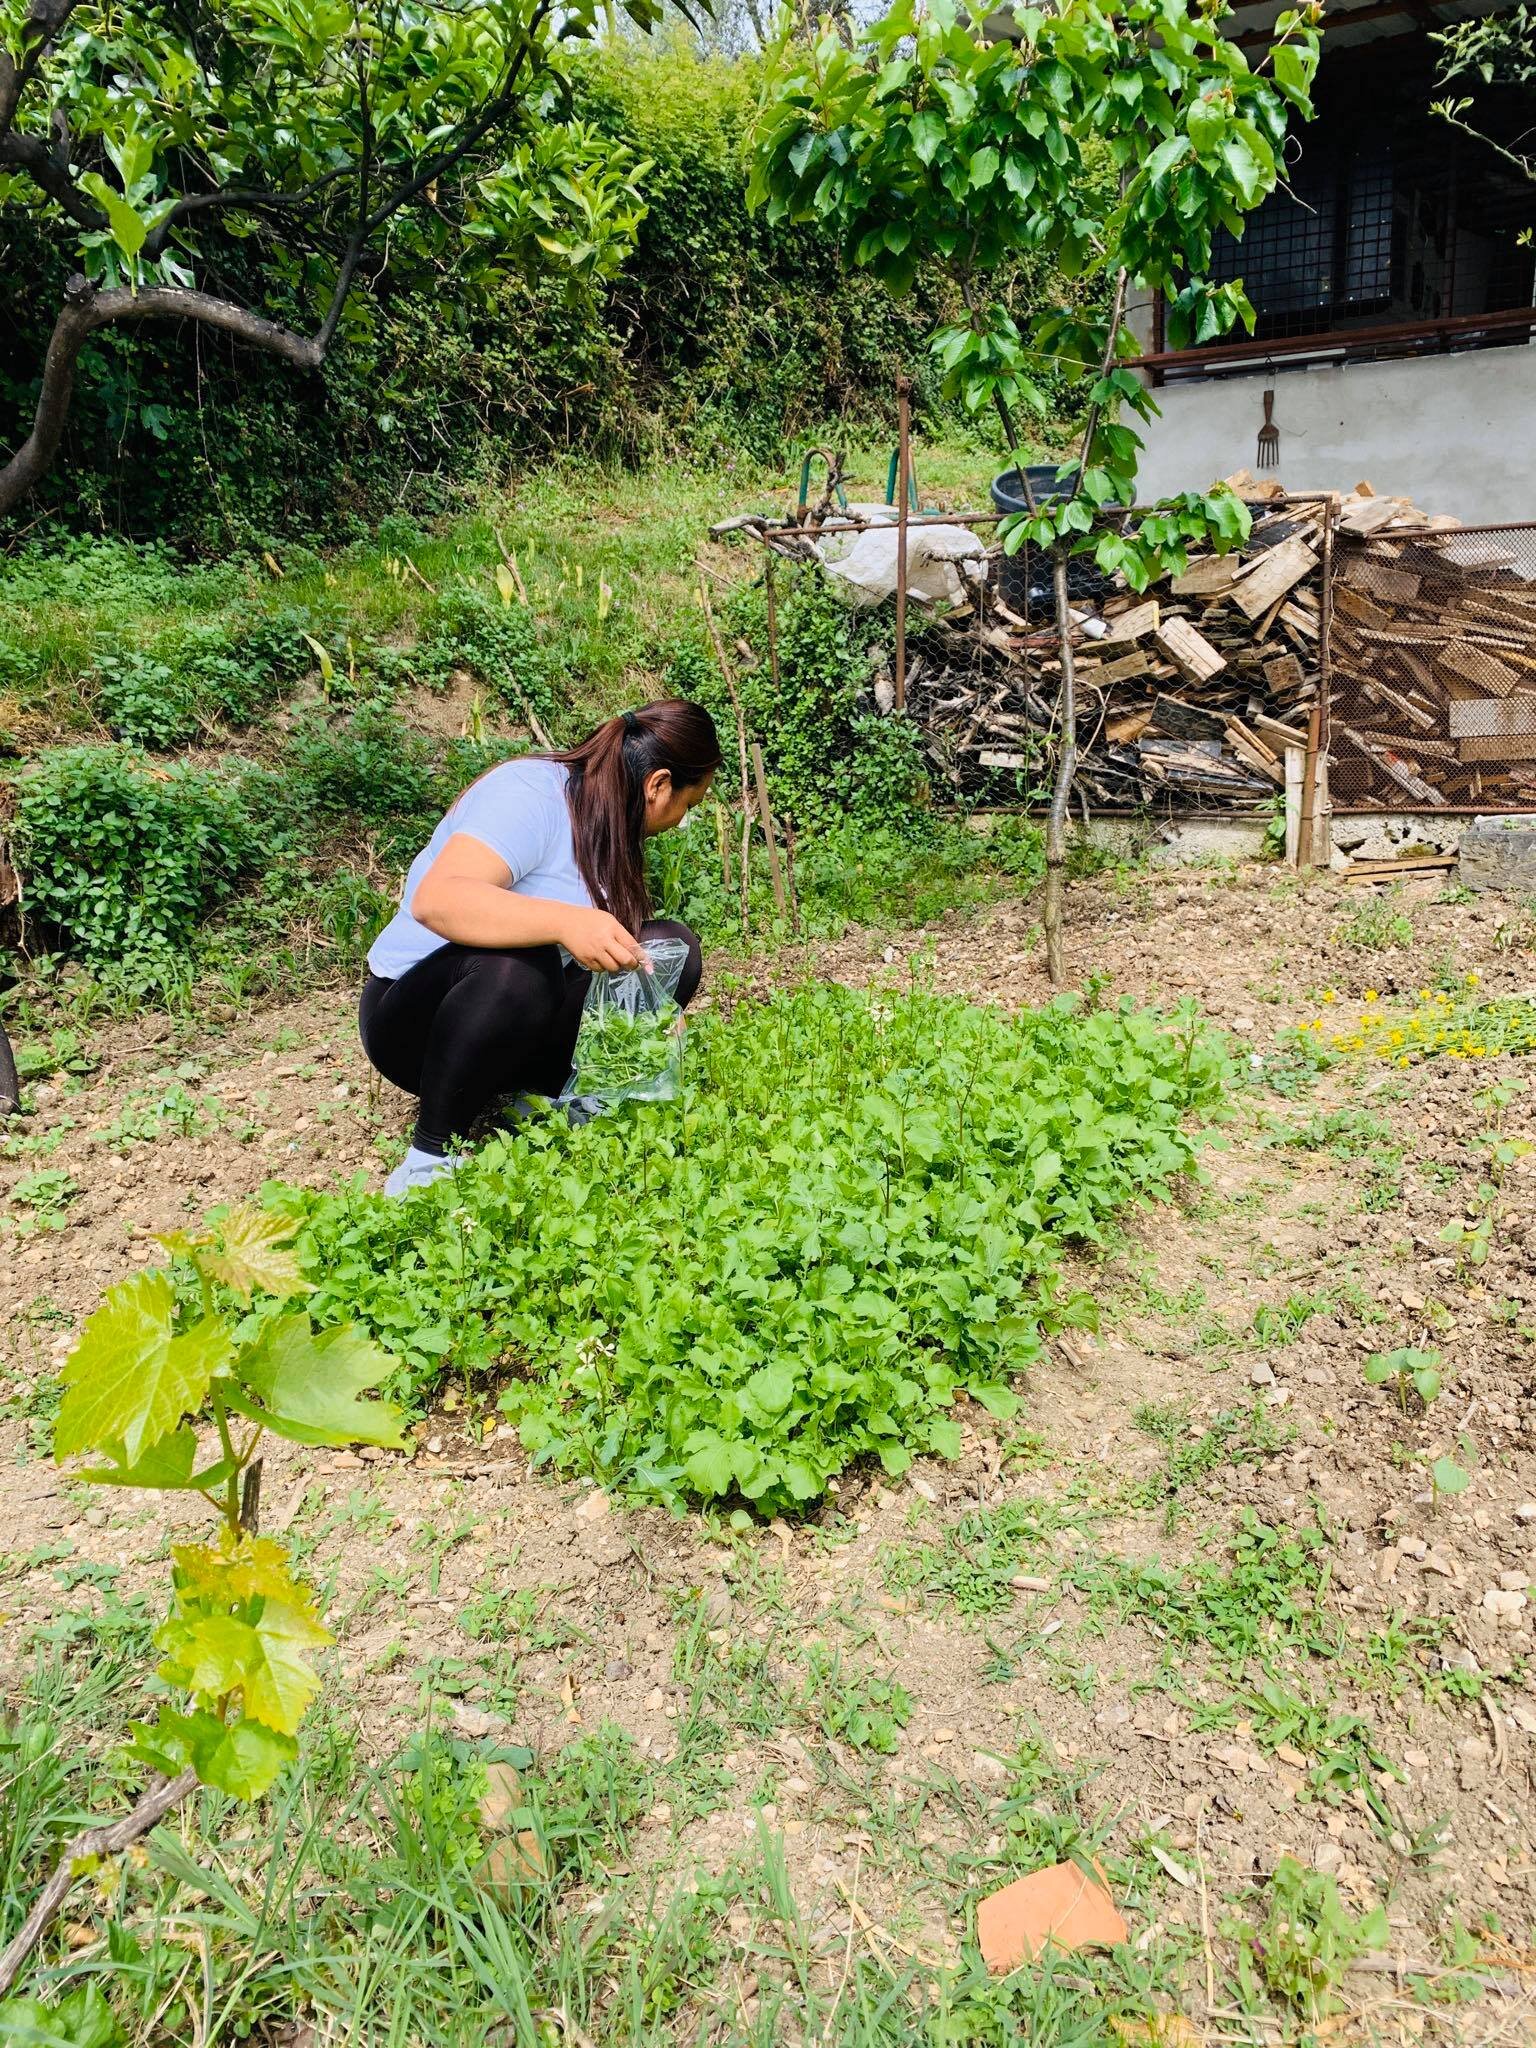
(857, 1208)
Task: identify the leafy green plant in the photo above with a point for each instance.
(144, 701)
(1406, 1370)
(1447, 1479)
(1376, 927)
(688, 1314)
(237, 1644)
(625, 1049)
(1309, 1938)
(866, 1709)
(46, 1195)
(120, 858)
(145, 1366)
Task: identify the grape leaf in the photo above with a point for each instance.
(306, 1385)
(256, 1255)
(241, 1757)
(129, 1381)
(165, 1465)
(243, 1568)
(216, 1655)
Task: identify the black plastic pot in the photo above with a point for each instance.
(1024, 581)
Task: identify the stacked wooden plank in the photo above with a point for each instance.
(1434, 666)
(1189, 694)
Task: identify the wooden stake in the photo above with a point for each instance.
(741, 748)
(789, 866)
(722, 840)
(903, 480)
(765, 811)
(1309, 785)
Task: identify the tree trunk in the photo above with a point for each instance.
(1066, 770)
(85, 309)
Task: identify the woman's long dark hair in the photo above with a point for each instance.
(606, 794)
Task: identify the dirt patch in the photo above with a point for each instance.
(1203, 1605)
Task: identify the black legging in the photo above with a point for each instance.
(467, 1025)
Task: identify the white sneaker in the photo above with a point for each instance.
(420, 1169)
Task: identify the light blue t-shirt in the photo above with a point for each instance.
(519, 811)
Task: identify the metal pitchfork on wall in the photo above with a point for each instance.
(1269, 433)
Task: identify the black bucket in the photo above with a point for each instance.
(1024, 579)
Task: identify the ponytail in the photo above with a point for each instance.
(606, 794)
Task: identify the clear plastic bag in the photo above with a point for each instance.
(630, 1047)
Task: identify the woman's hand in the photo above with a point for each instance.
(595, 940)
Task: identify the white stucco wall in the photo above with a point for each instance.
(1457, 434)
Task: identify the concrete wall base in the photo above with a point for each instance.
(1203, 838)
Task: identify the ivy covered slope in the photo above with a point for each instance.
(855, 1211)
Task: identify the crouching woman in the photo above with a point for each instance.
(534, 879)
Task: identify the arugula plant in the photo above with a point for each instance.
(156, 1363)
(856, 1208)
(1113, 136)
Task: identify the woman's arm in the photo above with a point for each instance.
(466, 896)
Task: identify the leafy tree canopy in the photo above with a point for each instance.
(972, 136)
(353, 138)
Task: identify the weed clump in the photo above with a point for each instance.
(123, 858)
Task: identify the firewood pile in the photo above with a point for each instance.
(1189, 695)
(1433, 665)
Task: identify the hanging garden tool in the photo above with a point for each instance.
(1269, 433)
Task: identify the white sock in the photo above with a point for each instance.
(418, 1170)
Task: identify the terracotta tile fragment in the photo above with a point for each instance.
(1061, 1904)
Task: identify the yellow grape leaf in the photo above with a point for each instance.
(281, 1683)
(129, 1381)
(216, 1655)
(243, 1568)
(256, 1256)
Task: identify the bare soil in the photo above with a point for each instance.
(1248, 1308)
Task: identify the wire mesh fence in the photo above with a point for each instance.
(1431, 702)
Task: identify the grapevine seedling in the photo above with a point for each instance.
(152, 1363)
(1406, 1369)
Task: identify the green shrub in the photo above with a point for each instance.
(370, 768)
(691, 1315)
(144, 701)
(120, 858)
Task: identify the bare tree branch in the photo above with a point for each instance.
(105, 1840)
(84, 310)
(237, 200)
